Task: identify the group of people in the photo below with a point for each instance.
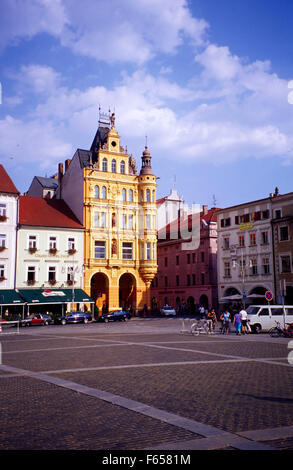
(239, 321)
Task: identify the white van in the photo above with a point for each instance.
(264, 317)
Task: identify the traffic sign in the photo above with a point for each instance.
(269, 295)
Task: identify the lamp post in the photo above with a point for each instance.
(234, 264)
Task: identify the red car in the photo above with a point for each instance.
(36, 319)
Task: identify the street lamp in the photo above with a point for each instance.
(242, 268)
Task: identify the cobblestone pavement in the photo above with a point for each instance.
(144, 384)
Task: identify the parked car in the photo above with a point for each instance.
(117, 315)
(36, 319)
(166, 310)
(264, 317)
(74, 317)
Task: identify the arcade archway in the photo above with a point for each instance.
(100, 291)
(127, 292)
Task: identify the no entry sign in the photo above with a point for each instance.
(269, 295)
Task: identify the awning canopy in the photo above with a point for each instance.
(10, 297)
(232, 297)
(54, 296)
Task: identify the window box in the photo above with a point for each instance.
(52, 282)
(2, 278)
(71, 251)
(70, 282)
(3, 218)
(53, 251)
(31, 282)
(2, 248)
(32, 249)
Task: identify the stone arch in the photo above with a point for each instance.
(100, 291)
(127, 291)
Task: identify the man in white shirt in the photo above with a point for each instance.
(244, 318)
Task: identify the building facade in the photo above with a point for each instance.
(245, 253)
(282, 233)
(49, 252)
(117, 207)
(8, 226)
(187, 278)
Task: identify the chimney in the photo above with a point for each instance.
(67, 163)
(60, 173)
(205, 209)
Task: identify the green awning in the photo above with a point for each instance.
(10, 297)
(54, 296)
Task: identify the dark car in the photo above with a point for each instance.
(36, 319)
(117, 315)
(74, 317)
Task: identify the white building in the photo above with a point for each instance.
(245, 252)
(49, 252)
(8, 225)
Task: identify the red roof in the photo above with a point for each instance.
(6, 184)
(40, 212)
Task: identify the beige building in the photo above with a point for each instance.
(282, 227)
(117, 207)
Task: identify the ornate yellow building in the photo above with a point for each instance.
(117, 207)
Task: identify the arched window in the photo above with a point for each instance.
(148, 195)
(114, 166)
(123, 194)
(130, 195)
(104, 192)
(104, 165)
(96, 192)
(122, 167)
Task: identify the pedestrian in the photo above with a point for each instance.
(212, 320)
(237, 323)
(202, 311)
(244, 318)
(226, 322)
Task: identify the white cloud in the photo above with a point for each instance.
(23, 20)
(108, 30)
(39, 78)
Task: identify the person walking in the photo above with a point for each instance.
(226, 322)
(244, 318)
(212, 320)
(237, 323)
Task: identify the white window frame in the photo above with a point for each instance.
(52, 265)
(103, 245)
(32, 265)
(3, 209)
(126, 253)
(56, 242)
(3, 240)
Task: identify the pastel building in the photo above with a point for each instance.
(117, 206)
(49, 255)
(187, 277)
(9, 197)
(245, 253)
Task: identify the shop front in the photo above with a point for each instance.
(55, 301)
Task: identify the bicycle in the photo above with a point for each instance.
(278, 331)
(200, 326)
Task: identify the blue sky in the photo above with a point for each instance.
(205, 80)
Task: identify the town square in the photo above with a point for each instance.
(146, 229)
